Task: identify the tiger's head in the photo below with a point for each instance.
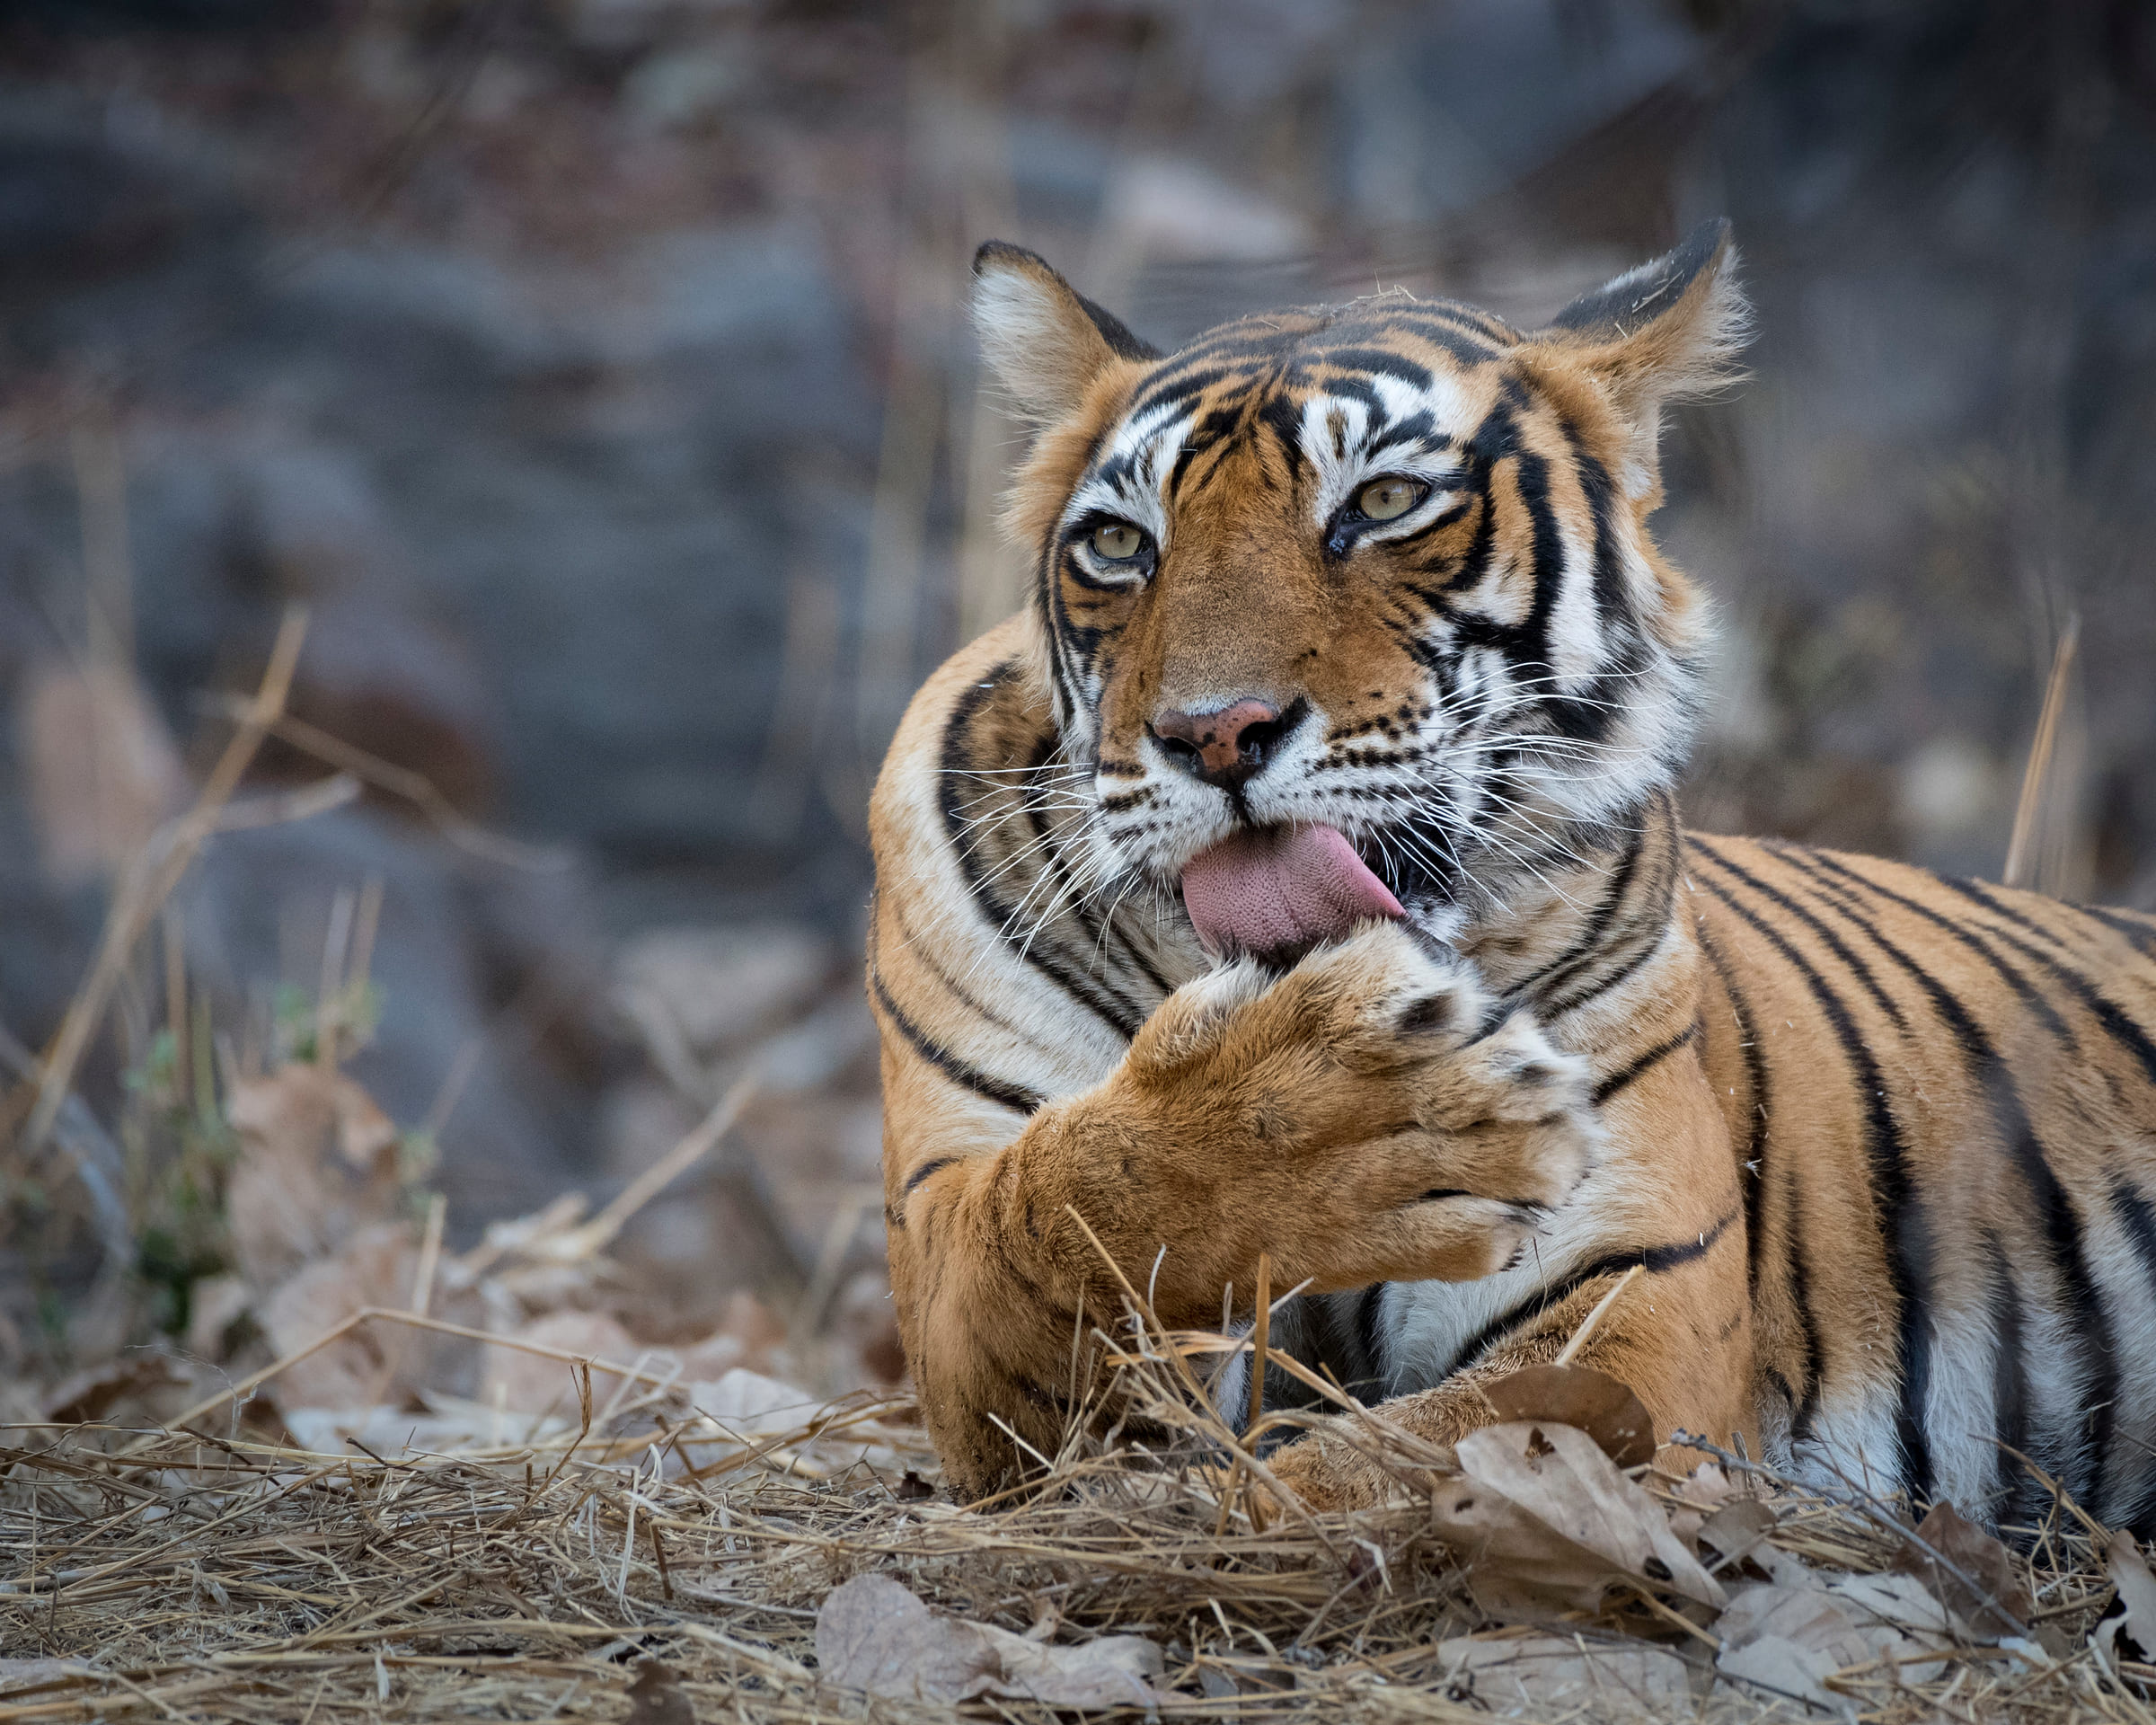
(1382, 567)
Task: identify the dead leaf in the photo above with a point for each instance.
(89, 1394)
(316, 1163)
(213, 1304)
(102, 767)
(19, 1676)
(1736, 1529)
(1557, 1676)
(1977, 1579)
(873, 1635)
(2128, 1630)
(1792, 1639)
(749, 1333)
(1706, 1488)
(657, 1697)
(1545, 1518)
(374, 1267)
(536, 1383)
(1606, 1408)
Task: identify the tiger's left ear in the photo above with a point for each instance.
(1043, 339)
(1667, 330)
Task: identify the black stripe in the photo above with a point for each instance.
(1374, 362)
(1750, 1175)
(928, 1170)
(1102, 1002)
(1587, 714)
(1977, 890)
(1899, 1212)
(2031, 996)
(1369, 1330)
(925, 953)
(959, 1072)
(1583, 950)
(1834, 942)
(2139, 1221)
(2138, 935)
(1466, 344)
(2010, 1376)
(1991, 1079)
(1649, 944)
(2117, 1024)
(1655, 915)
(1654, 1057)
(1655, 1260)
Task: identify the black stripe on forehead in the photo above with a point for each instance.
(1180, 388)
(1281, 362)
(1367, 361)
(1236, 421)
(1417, 428)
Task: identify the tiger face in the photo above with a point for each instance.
(1383, 568)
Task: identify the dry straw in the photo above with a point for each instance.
(180, 1574)
(211, 1571)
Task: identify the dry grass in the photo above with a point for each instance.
(175, 1574)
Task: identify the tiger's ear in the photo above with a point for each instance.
(1043, 339)
(1665, 332)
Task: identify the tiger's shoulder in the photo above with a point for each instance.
(997, 983)
(985, 713)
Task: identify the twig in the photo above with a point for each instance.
(156, 870)
(1873, 1511)
(1587, 1324)
(2020, 865)
(597, 1234)
(415, 788)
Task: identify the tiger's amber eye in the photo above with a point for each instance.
(1386, 499)
(1118, 541)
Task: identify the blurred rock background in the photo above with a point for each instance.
(596, 372)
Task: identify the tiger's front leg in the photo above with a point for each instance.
(1351, 1119)
(1663, 1195)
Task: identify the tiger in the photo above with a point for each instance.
(1299, 875)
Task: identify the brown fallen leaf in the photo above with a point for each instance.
(2128, 1630)
(657, 1697)
(1977, 1580)
(213, 1304)
(372, 1268)
(1791, 1639)
(102, 767)
(1544, 1519)
(1605, 1408)
(525, 1383)
(1556, 1676)
(1736, 1529)
(317, 1163)
(87, 1395)
(873, 1633)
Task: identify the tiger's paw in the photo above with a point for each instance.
(1367, 1104)
(1326, 1475)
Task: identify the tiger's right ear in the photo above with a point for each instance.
(1043, 339)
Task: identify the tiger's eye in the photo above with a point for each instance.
(1118, 541)
(1386, 499)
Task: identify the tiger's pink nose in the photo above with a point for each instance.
(1223, 747)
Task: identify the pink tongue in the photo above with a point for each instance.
(1281, 887)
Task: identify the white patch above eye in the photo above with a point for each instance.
(1129, 482)
(1337, 436)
